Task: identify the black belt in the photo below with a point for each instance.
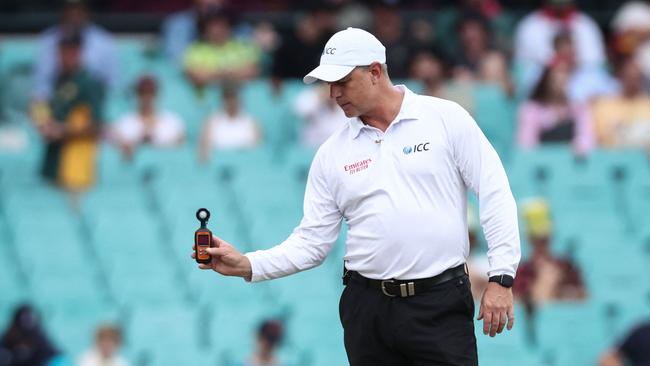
(405, 288)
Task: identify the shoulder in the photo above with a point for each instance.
(443, 112)
(98, 32)
(337, 141)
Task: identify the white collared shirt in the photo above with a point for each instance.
(403, 193)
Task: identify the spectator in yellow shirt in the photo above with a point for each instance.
(218, 56)
(623, 120)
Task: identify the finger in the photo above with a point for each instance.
(204, 266)
(495, 323)
(511, 317)
(218, 252)
(480, 313)
(487, 319)
(217, 242)
(193, 255)
(502, 322)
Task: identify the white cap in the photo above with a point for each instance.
(344, 51)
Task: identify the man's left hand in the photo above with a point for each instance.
(496, 308)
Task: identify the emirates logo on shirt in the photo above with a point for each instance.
(358, 166)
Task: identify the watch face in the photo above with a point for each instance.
(507, 281)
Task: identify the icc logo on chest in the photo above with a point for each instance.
(416, 148)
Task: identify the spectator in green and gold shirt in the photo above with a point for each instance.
(218, 56)
(69, 122)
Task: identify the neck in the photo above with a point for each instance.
(388, 105)
(265, 356)
(146, 110)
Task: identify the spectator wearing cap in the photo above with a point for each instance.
(269, 336)
(147, 124)
(545, 277)
(218, 56)
(230, 129)
(631, 33)
(105, 352)
(535, 33)
(98, 53)
(70, 121)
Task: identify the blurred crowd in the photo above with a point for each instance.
(26, 342)
(573, 83)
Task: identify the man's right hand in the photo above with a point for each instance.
(227, 260)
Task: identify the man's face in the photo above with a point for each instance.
(352, 93)
(75, 16)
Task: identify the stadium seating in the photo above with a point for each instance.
(123, 256)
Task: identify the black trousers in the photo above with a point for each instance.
(431, 328)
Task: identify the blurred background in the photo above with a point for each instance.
(120, 118)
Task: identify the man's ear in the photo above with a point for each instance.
(375, 72)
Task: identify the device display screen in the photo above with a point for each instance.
(204, 239)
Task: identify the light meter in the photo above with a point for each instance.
(202, 237)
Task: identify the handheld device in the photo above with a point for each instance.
(202, 237)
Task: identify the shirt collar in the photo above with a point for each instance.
(406, 112)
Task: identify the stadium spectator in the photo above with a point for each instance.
(534, 38)
(269, 336)
(550, 117)
(105, 352)
(231, 128)
(24, 342)
(299, 50)
(70, 121)
(218, 56)
(545, 277)
(148, 124)
(432, 72)
(320, 114)
(586, 82)
(388, 28)
(475, 44)
(623, 120)
(633, 350)
(493, 70)
(98, 52)
(180, 29)
(631, 33)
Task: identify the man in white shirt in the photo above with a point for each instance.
(535, 33)
(398, 173)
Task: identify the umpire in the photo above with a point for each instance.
(398, 173)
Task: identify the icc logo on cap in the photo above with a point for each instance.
(329, 51)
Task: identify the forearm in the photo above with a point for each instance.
(293, 255)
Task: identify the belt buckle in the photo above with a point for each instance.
(383, 288)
